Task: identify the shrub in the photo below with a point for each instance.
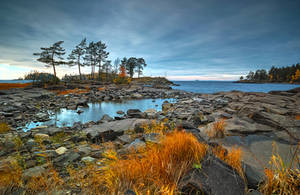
(40, 78)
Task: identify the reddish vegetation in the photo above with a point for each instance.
(122, 72)
(5, 86)
(298, 117)
(73, 91)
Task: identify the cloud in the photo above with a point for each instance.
(181, 39)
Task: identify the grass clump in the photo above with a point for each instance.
(158, 168)
(280, 178)
(4, 127)
(217, 130)
(10, 175)
(232, 157)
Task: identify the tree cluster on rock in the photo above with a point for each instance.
(289, 74)
(91, 54)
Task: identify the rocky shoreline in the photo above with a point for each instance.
(253, 122)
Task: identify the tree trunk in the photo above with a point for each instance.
(54, 70)
(78, 62)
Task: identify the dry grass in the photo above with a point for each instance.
(10, 174)
(47, 182)
(6, 86)
(154, 170)
(160, 127)
(298, 117)
(4, 127)
(281, 179)
(232, 157)
(217, 130)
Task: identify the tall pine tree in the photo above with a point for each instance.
(77, 54)
(52, 56)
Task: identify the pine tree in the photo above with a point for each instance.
(52, 56)
(101, 55)
(140, 64)
(76, 55)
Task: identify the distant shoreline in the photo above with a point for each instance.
(264, 82)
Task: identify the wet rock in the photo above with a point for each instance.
(167, 107)
(135, 113)
(106, 118)
(214, 177)
(79, 111)
(120, 112)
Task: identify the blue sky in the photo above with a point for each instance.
(183, 40)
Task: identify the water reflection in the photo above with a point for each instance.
(95, 111)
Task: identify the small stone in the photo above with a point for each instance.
(61, 150)
(88, 159)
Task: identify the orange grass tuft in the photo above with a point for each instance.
(281, 179)
(157, 169)
(298, 117)
(217, 130)
(5, 86)
(233, 157)
(47, 182)
(10, 174)
(154, 170)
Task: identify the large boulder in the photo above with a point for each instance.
(111, 130)
(214, 177)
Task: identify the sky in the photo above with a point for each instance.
(179, 39)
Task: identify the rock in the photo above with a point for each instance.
(66, 158)
(33, 172)
(136, 145)
(80, 111)
(106, 118)
(41, 136)
(136, 95)
(167, 107)
(52, 130)
(185, 125)
(135, 113)
(111, 130)
(125, 138)
(198, 118)
(152, 137)
(84, 149)
(88, 159)
(254, 192)
(214, 177)
(61, 150)
(120, 112)
(151, 113)
(253, 176)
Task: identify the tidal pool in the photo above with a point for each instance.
(95, 111)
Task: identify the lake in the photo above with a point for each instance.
(15, 81)
(217, 86)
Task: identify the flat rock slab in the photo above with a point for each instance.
(110, 130)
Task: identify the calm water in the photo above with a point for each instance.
(15, 81)
(95, 111)
(217, 86)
